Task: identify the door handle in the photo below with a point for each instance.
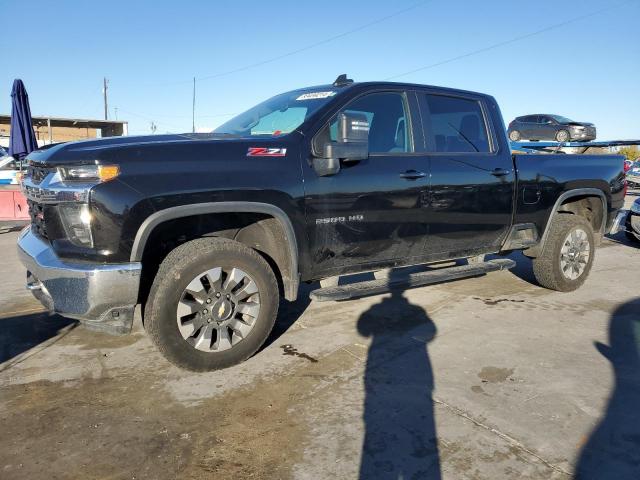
(412, 175)
(499, 172)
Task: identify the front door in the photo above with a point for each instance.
(371, 212)
(471, 192)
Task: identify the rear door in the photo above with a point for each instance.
(472, 179)
(370, 212)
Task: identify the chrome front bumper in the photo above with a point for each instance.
(101, 296)
(618, 223)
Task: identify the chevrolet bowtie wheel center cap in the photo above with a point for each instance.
(222, 310)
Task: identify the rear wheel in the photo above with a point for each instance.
(567, 255)
(213, 303)
(563, 136)
(514, 135)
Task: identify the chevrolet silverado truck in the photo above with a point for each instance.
(207, 232)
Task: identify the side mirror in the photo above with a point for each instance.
(352, 144)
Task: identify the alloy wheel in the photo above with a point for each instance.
(218, 309)
(574, 254)
(563, 136)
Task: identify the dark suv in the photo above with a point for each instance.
(550, 127)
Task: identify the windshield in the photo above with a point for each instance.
(279, 115)
(561, 119)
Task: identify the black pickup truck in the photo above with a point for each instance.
(208, 231)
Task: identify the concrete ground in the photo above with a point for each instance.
(485, 378)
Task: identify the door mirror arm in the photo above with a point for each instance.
(325, 167)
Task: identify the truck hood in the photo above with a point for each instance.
(88, 151)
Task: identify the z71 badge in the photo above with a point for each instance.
(266, 152)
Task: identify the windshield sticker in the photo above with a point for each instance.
(266, 152)
(315, 95)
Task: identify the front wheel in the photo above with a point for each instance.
(212, 305)
(514, 136)
(563, 136)
(567, 255)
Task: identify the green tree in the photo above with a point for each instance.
(631, 152)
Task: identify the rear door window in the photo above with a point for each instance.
(455, 125)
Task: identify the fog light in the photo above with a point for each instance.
(76, 219)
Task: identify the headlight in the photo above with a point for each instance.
(89, 173)
(635, 207)
(76, 219)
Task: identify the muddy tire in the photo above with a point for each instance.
(567, 255)
(212, 304)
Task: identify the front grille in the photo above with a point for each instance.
(36, 212)
(37, 174)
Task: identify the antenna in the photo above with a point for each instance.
(342, 80)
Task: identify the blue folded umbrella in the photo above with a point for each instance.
(22, 140)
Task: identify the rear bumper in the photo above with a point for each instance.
(102, 296)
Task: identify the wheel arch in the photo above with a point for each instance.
(564, 205)
(265, 236)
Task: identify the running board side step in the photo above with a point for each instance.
(375, 287)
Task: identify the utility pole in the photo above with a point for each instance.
(193, 127)
(104, 92)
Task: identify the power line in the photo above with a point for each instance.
(317, 44)
(285, 55)
(307, 47)
(104, 93)
(426, 67)
(193, 111)
(512, 40)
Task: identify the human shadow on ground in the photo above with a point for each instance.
(613, 450)
(21, 333)
(400, 434)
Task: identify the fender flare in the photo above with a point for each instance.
(172, 213)
(577, 192)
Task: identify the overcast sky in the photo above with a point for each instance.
(585, 68)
